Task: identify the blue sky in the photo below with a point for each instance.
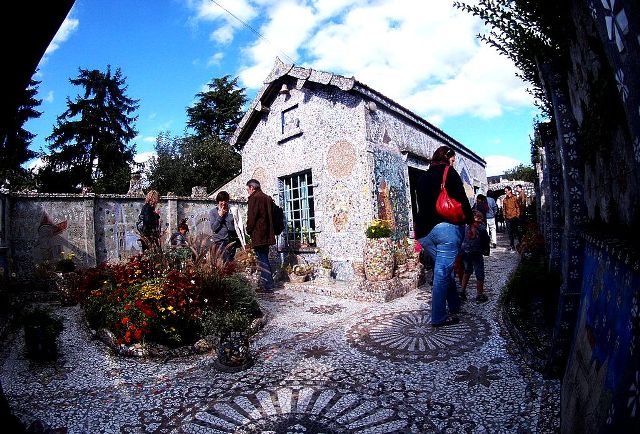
(423, 55)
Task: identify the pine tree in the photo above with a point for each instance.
(218, 110)
(89, 146)
(14, 150)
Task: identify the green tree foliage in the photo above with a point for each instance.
(526, 31)
(204, 158)
(218, 110)
(14, 150)
(89, 145)
(185, 162)
(521, 173)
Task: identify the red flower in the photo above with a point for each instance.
(138, 334)
(125, 320)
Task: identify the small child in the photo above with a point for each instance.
(474, 247)
(179, 239)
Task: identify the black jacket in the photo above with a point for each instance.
(150, 221)
(427, 191)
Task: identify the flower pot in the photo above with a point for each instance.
(65, 284)
(378, 259)
(297, 278)
(41, 342)
(358, 269)
(233, 352)
(324, 273)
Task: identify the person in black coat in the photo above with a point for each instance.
(438, 236)
(150, 221)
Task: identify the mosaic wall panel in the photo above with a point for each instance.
(616, 24)
(392, 190)
(602, 384)
(94, 228)
(386, 127)
(116, 234)
(40, 230)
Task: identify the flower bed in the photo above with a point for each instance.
(150, 300)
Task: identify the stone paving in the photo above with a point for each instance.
(322, 365)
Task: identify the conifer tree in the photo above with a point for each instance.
(14, 148)
(89, 146)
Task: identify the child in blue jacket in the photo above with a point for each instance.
(474, 247)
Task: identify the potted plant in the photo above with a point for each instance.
(66, 278)
(378, 251)
(66, 263)
(299, 273)
(41, 331)
(232, 329)
(326, 266)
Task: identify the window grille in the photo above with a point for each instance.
(297, 192)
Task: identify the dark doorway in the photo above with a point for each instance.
(414, 175)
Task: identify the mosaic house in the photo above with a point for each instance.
(336, 154)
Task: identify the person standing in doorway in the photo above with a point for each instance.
(439, 237)
(511, 210)
(260, 229)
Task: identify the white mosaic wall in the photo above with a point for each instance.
(323, 132)
(94, 228)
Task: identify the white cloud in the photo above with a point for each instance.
(228, 14)
(144, 157)
(49, 97)
(215, 59)
(36, 164)
(68, 27)
(282, 35)
(425, 55)
(498, 164)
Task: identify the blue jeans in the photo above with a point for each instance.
(266, 278)
(474, 261)
(443, 244)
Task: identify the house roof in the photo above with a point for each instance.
(302, 75)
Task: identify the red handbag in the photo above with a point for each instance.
(448, 208)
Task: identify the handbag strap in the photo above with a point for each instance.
(444, 177)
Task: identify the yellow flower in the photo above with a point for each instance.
(170, 308)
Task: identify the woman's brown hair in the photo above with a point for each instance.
(442, 154)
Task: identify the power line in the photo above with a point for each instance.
(254, 31)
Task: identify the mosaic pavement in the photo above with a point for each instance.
(323, 365)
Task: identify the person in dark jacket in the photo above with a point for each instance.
(150, 217)
(475, 247)
(260, 229)
(439, 237)
(223, 227)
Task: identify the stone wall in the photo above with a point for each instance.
(95, 228)
(589, 200)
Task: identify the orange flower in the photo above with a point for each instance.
(125, 320)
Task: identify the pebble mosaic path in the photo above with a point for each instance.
(322, 365)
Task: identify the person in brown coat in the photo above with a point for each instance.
(260, 229)
(511, 210)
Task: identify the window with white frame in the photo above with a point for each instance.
(299, 210)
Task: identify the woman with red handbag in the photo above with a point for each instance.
(443, 210)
